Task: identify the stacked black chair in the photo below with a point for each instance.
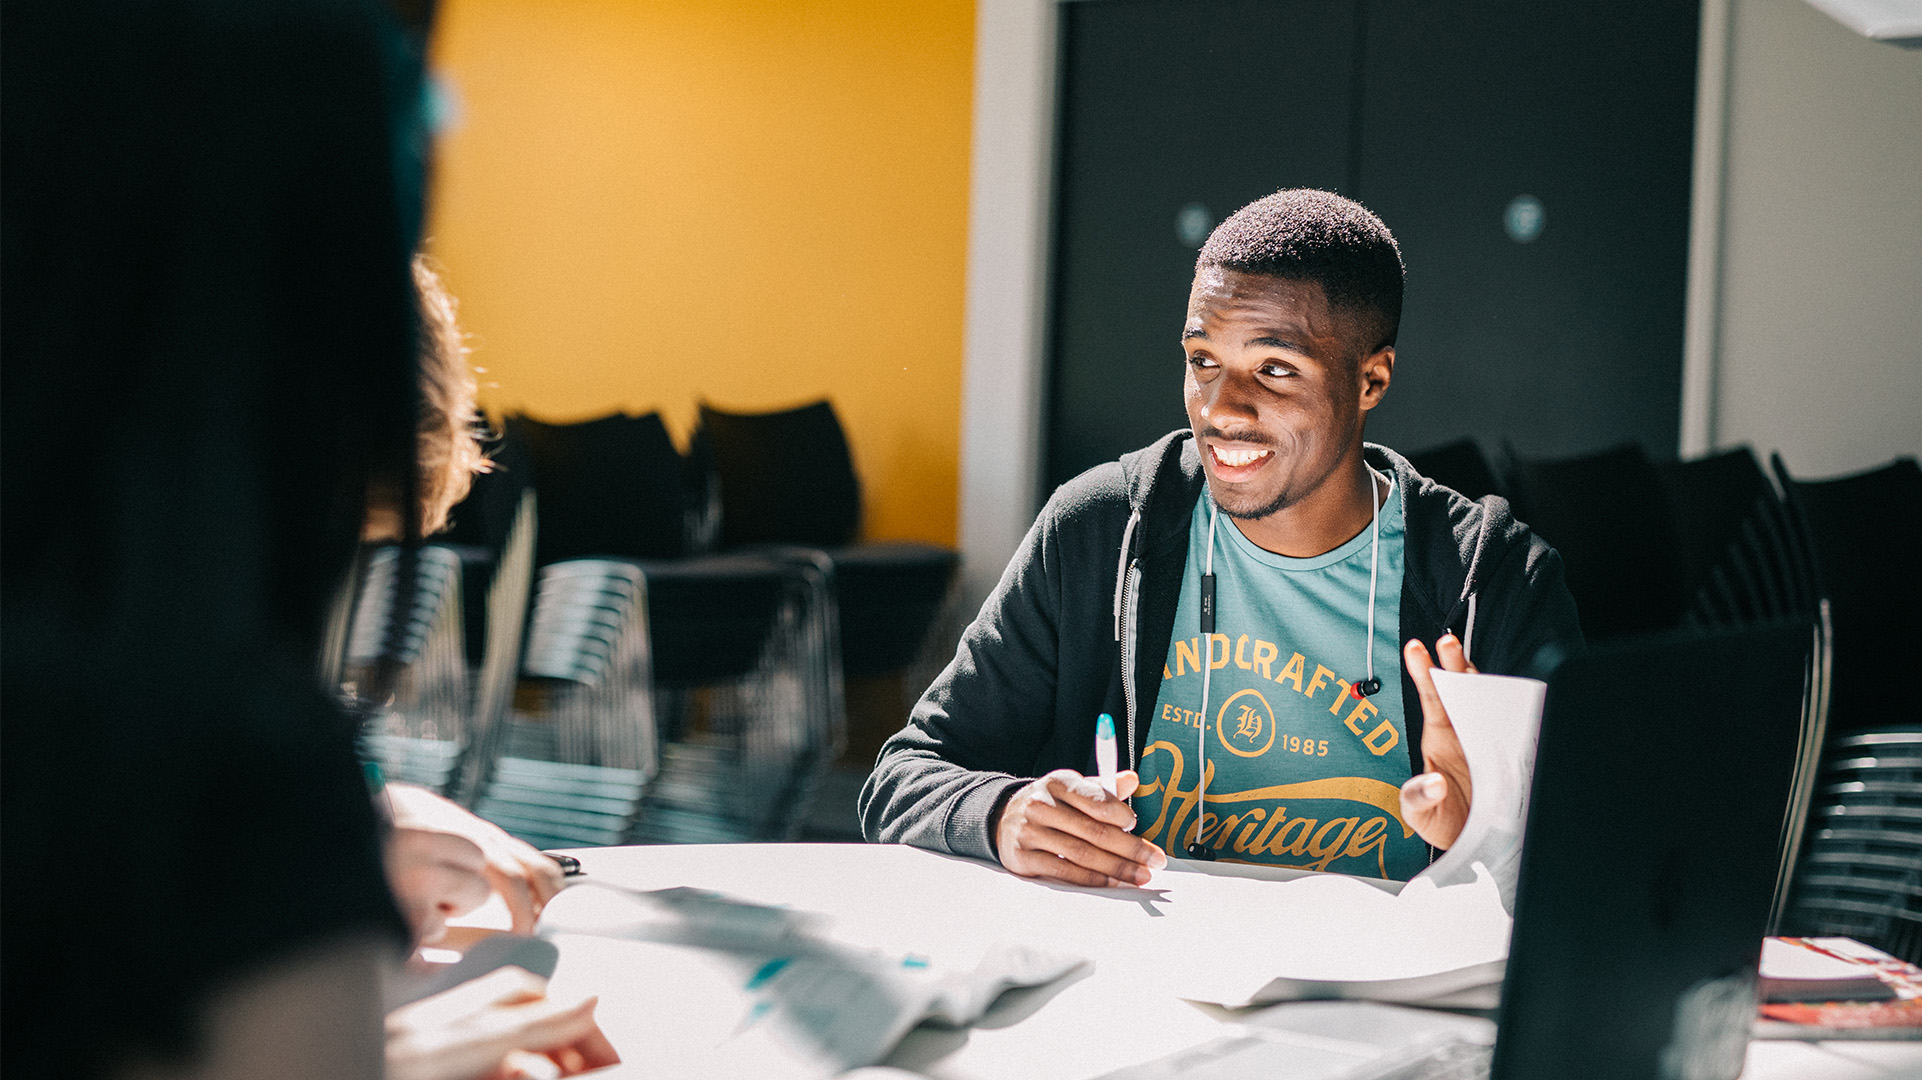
(1866, 531)
(405, 662)
(493, 531)
(755, 715)
(426, 642)
(785, 477)
(1862, 875)
(1459, 465)
(1862, 871)
(1608, 516)
(787, 484)
(609, 486)
(570, 771)
(664, 697)
(1711, 501)
(1763, 574)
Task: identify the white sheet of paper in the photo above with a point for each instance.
(1325, 928)
(1498, 719)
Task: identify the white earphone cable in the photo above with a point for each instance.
(1207, 665)
(1374, 563)
(1207, 638)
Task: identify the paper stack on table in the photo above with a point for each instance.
(732, 988)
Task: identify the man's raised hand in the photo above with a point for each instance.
(1436, 801)
(1063, 827)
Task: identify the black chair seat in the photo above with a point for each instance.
(787, 480)
(710, 614)
(889, 595)
(1607, 514)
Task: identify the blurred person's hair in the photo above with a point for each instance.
(447, 439)
(1307, 235)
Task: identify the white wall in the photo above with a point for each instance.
(1001, 385)
(1819, 336)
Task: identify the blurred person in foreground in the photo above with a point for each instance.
(209, 343)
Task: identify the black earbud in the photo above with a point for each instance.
(1205, 854)
(1369, 687)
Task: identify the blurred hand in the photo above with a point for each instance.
(1436, 802)
(500, 1026)
(435, 876)
(1064, 827)
(523, 877)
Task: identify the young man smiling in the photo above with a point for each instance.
(1228, 594)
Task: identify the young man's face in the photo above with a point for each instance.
(1276, 388)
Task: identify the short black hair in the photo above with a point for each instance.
(1309, 235)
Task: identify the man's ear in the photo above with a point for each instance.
(1375, 372)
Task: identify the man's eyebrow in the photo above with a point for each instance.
(1194, 332)
(1272, 342)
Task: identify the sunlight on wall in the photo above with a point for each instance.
(757, 204)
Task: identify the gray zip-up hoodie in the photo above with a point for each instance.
(1080, 624)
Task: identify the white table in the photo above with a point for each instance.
(909, 900)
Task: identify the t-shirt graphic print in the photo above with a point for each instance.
(1299, 770)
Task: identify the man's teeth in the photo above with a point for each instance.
(1234, 459)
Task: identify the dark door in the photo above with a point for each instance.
(1175, 112)
(1532, 159)
(1564, 340)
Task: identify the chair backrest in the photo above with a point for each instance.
(1865, 531)
(1608, 516)
(746, 663)
(785, 477)
(481, 529)
(1863, 874)
(405, 654)
(1459, 465)
(572, 770)
(505, 604)
(1762, 575)
(1710, 497)
(611, 487)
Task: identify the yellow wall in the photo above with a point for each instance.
(645, 204)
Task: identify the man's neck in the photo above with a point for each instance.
(1330, 516)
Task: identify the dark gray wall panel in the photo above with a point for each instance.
(1216, 102)
(1573, 341)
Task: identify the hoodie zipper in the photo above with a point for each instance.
(1128, 637)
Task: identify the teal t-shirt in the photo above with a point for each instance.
(1299, 771)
